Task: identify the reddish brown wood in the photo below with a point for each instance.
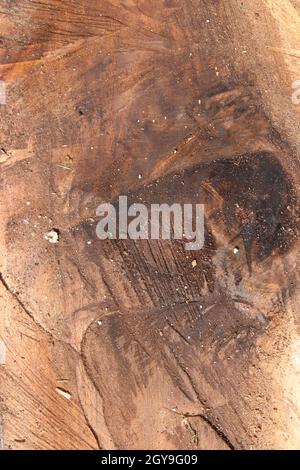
(126, 344)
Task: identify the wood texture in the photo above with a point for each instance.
(130, 345)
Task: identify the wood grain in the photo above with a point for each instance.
(130, 344)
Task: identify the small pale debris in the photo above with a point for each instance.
(64, 167)
(140, 176)
(194, 263)
(236, 250)
(99, 322)
(52, 236)
(63, 393)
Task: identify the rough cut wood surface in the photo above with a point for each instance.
(142, 345)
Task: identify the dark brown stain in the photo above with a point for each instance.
(183, 316)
